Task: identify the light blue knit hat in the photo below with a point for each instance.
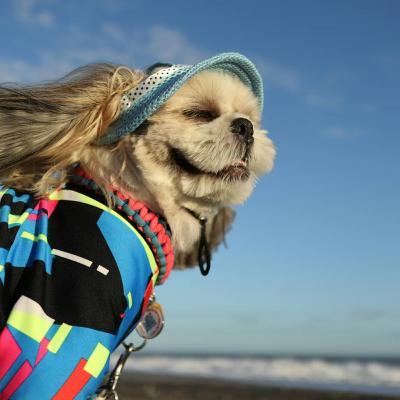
(140, 102)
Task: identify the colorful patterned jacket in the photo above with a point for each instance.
(75, 279)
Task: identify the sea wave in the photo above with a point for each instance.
(266, 370)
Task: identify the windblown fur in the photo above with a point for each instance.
(183, 157)
(45, 128)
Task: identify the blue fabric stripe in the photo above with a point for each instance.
(24, 198)
(133, 264)
(4, 213)
(79, 344)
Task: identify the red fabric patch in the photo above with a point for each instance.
(75, 383)
(147, 294)
(9, 351)
(42, 350)
(16, 381)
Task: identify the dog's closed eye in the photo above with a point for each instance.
(200, 115)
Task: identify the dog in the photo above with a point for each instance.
(189, 159)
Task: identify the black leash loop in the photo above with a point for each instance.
(204, 255)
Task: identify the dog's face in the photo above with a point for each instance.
(208, 141)
(201, 151)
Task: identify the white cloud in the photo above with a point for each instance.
(337, 132)
(16, 70)
(12, 70)
(278, 75)
(30, 12)
(51, 66)
(371, 314)
(324, 100)
(158, 43)
(114, 32)
(170, 45)
(288, 79)
(111, 5)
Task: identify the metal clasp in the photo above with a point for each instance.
(108, 391)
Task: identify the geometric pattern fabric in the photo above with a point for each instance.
(75, 279)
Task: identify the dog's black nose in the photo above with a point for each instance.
(244, 128)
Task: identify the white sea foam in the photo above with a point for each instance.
(267, 370)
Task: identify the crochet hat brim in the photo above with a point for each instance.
(145, 105)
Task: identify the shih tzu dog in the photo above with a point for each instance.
(168, 150)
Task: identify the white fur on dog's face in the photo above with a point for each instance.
(190, 141)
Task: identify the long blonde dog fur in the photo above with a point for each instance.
(47, 128)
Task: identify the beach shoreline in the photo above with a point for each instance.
(134, 385)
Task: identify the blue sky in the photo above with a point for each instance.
(313, 263)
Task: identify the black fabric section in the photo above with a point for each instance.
(17, 281)
(101, 199)
(17, 207)
(82, 295)
(62, 296)
(7, 235)
(4, 240)
(3, 308)
(73, 293)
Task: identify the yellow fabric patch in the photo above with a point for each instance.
(29, 236)
(129, 296)
(59, 337)
(34, 326)
(17, 219)
(97, 360)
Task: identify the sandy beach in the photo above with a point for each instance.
(135, 386)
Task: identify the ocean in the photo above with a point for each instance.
(363, 375)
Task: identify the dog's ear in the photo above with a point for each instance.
(45, 128)
(217, 227)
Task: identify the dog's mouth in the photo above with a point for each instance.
(234, 172)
